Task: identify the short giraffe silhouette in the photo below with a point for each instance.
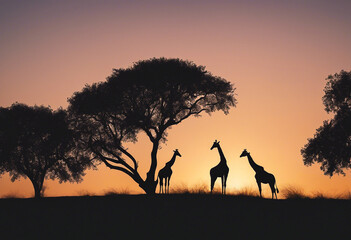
(166, 172)
(221, 170)
(261, 175)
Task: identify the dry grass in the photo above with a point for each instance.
(109, 192)
(114, 192)
(293, 192)
(346, 196)
(320, 195)
(11, 196)
(247, 192)
(203, 188)
(85, 193)
(179, 189)
(288, 192)
(200, 189)
(185, 189)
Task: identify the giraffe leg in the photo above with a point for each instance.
(222, 185)
(161, 185)
(276, 189)
(275, 192)
(213, 180)
(225, 184)
(166, 182)
(273, 189)
(259, 187)
(169, 179)
(159, 192)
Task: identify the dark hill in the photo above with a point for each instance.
(188, 216)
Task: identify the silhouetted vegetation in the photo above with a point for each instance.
(247, 192)
(36, 142)
(320, 195)
(114, 192)
(293, 192)
(11, 196)
(331, 145)
(203, 189)
(150, 97)
(185, 189)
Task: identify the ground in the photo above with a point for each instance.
(178, 216)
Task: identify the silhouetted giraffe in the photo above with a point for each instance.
(261, 175)
(166, 172)
(221, 170)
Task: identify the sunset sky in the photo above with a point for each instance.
(276, 53)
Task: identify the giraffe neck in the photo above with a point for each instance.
(223, 160)
(171, 162)
(254, 166)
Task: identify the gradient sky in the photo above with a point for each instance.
(277, 54)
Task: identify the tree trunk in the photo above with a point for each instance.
(149, 185)
(37, 190)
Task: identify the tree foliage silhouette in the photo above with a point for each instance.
(150, 97)
(36, 142)
(331, 145)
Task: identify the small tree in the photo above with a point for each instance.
(151, 96)
(35, 142)
(331, 145)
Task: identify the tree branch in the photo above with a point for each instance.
(104, 159)
(119, 161)
(130, 156)
(171, 121)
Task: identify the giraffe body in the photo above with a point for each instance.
(221, 170)
(166, 173)
(261, 175)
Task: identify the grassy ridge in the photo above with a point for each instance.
(177, 216)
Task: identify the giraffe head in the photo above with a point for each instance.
(244, 153)
(215, 144)
(177, 153)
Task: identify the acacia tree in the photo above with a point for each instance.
(331, 145)
(150, 97)
(36, 142)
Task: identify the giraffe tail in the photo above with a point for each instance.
(276, 187)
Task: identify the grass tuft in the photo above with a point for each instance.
(293, 192)
(200, 189)
(203, 188)
(346, 196)
(185, 189)
(180, 189)
(11, 196)
(115, 192)
(320, 195)
(84, 193)
(247, 192)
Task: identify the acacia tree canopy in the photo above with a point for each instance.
(36, 142)
(150, 96)
(331, 145)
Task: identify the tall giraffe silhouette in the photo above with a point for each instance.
(261, 175)
(221, 170)
(166, 172)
